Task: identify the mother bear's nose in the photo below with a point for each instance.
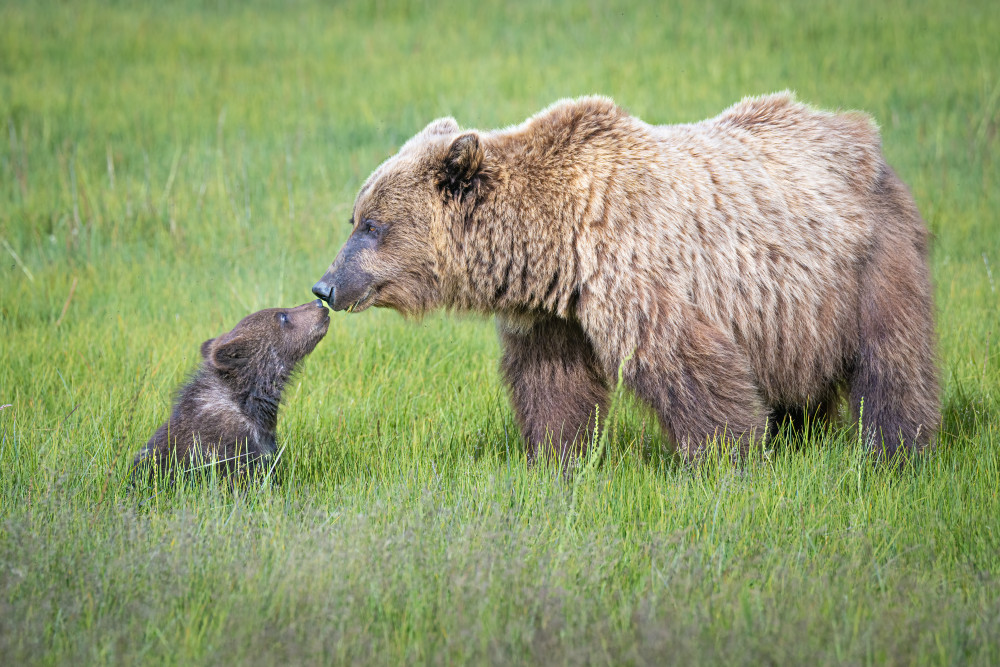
(323, 290)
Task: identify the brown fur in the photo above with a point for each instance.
(752, 264)
(228, 412)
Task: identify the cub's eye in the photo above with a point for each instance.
(283, 319)
(371, 229)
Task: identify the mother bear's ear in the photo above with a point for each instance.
(447, 125)
(462, 170)
(436, 128)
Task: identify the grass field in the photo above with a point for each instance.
(166, 169)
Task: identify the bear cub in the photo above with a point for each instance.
(227, 413)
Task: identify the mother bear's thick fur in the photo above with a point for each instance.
(750, 267)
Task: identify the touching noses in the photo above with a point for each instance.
(323, 290)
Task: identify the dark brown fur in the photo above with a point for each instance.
(227, 414)
(553, 354)
(744, 269)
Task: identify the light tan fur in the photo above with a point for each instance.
(750, 264)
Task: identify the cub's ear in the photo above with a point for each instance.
(230, 353)
(463, 164)
(206, 348)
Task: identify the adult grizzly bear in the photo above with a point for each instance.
(752, 265)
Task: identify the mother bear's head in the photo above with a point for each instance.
(402, 223)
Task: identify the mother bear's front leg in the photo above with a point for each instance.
(556, 385)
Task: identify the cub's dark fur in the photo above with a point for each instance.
(227, 414)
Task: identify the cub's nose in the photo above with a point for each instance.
(319, 304)
(323, 291)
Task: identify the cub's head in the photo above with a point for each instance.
(269, 343)
(402, 221)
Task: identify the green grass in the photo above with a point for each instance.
(164, 170)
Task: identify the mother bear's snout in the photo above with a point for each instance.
(346, 286)
(324, 290)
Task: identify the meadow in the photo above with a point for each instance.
(167, 168)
